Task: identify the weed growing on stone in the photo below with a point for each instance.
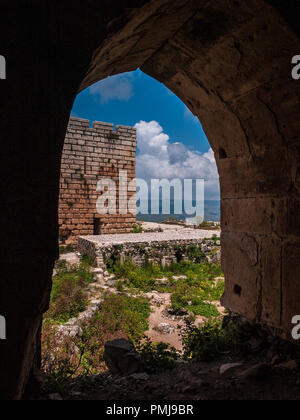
(65, 249)
(138, 228)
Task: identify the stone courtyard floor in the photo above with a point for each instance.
(170, 233)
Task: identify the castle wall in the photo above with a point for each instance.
(89, 155)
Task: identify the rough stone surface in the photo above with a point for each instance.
(165, 247)
(121, 357)
(230, 63)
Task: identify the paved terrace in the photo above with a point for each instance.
(183, 234)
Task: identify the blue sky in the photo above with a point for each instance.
(171, 141)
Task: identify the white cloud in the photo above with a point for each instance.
(118, 87)
(159, 158)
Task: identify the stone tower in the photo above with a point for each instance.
(89, 155)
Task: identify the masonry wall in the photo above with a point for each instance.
(89, 155)
(163, 252)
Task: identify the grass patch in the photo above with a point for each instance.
(66, 249)
(120, 317)
(199, 289)
(69, 294)
(194, 293)
(123, 313)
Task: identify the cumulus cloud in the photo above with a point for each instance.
(118, 87)
(177, 153)
(159, 158)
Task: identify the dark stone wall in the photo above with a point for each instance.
(229, 61)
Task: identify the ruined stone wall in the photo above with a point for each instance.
(163, 252)
(91, 154)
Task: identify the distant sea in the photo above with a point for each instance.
(211, 213)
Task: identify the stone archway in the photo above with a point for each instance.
(229, 61)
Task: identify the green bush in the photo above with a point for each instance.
(157, 356)
(138, 228)
(204, 343)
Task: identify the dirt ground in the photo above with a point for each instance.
(250, 380)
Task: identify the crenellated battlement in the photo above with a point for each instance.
(102, 128)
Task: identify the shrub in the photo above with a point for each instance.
(157, 356)
(126, 314)
(204, 343)
(138, 228)
(208, 226)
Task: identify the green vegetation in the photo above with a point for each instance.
(157, 356)
(193, 286)
(206, 342)
(199, 289)
(123, 313)
(87, 262)
(138, 228)
(65, 249)
(208, 226)
(69, 294)
(120, 317)
(194, 292)
(141, 278)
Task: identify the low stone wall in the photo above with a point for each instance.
(163, 252)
